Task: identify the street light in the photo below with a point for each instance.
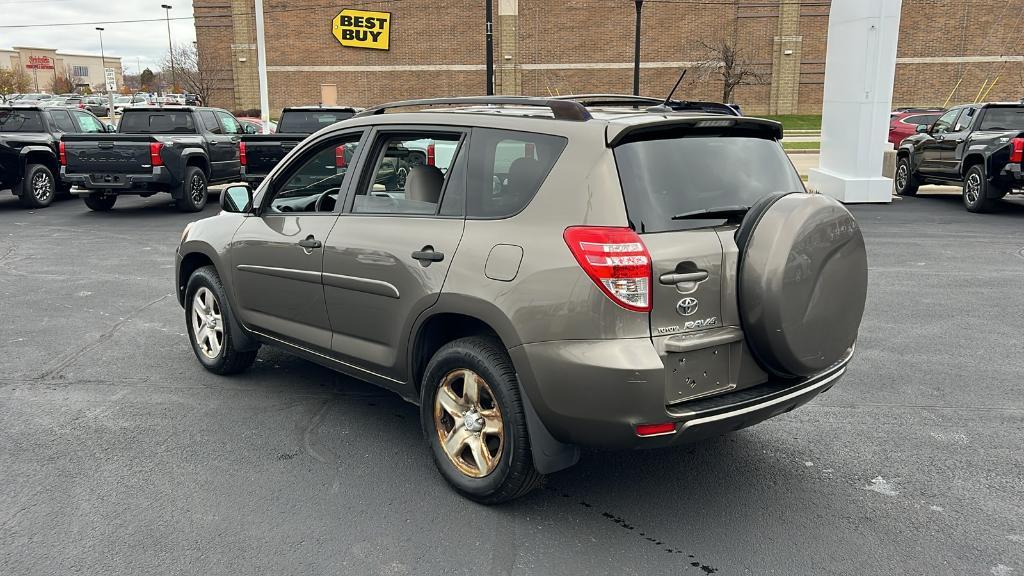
(170, 47)
(636, 49)
(103, 66)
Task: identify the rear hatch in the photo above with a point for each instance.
(686, 186)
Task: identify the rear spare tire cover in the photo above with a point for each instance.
(803, 281)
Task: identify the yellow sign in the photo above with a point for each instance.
(362, 29)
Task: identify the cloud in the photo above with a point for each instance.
(139, 44)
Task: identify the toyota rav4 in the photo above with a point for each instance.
(567, 277)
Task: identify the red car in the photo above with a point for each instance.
(903, 123)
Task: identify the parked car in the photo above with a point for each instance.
(120, 103)
(904, 123)
(627, 280)
(30, 150)
(977, 146)
(261, 152)
(255, 125)
(97, 106)
(175, 149)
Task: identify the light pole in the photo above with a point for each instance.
(103, 66)
(170, 47)
(636, 49)
(489, 46)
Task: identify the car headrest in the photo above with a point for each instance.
(424, 183)
(524, 175)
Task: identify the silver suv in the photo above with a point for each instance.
(538, 275)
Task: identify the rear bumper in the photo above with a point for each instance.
(159, 180)
(595, 393)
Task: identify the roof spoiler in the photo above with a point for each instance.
(562, 109)
(621, 133)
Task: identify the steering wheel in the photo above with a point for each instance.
(327, 194)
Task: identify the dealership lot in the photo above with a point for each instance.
(121, 455)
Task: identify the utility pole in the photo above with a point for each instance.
(489, 50)
(103, 65)
(261, 68)
(170, 47)
(636, 49)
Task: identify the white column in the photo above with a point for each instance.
(860, 66)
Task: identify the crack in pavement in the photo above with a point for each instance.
(107, 335)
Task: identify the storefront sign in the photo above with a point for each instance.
(39, 63)
(362, 29)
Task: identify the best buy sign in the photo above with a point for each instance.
(362, 29)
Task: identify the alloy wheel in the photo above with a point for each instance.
(468, 421)
(901, 177)
(197, 188)
(972, 190)
(207, 323)
(42, 186)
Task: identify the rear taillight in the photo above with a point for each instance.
(431, 155)
(154, 153)
(1017, 150)
(616, 260)
(339, 156)
(63, 155)
(81, 105)
(241, 154)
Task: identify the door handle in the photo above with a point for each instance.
(960, 140)
(214, 142)
(672, 278)
(310, 243)
(428, 255)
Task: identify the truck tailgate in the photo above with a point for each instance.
(264, 151)
(108, 154)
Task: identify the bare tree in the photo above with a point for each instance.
(725, 59)
(64, 83)
(195, 71)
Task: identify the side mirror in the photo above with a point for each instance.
(111, 128)
(923, 128)
(236, 199)
(248, 128)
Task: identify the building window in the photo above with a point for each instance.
(80, 71)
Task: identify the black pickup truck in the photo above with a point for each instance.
(261, 152)
(175, 149)
(977, 146)
(30, 150)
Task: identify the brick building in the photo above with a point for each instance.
(949, 49)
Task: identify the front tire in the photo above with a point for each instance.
(905, 182)
(979, 194)
(39, 187)
(194, 192)
(210, 321)
(473, 419)
(100, 202)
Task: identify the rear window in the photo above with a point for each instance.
(163, 122)
(679, 174)
(21, 121)
(309, 121)
(1003, 119)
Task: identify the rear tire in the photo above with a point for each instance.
(904, 181)
(39, 187)
(208, 314)
(488, 457)
(979, 194)
(194, 192)
(100, 202)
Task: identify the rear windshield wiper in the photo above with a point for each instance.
(720, 212)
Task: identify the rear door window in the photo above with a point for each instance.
(62, 121)
(506, 169)
(211, 122)
(681, 173)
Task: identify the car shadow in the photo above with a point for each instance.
(1011, 205)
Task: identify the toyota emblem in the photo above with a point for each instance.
(687, 306)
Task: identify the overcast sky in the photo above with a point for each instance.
(142, 43)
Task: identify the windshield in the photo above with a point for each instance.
(680, 175)
(21, 121)
(309, 121)
(1003, 119)
(163, 122)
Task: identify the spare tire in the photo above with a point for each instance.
(802, 282)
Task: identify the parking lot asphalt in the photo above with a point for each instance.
(119, 455)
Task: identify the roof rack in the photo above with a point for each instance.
(654, 104)
(610, 99)
(562, 109)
